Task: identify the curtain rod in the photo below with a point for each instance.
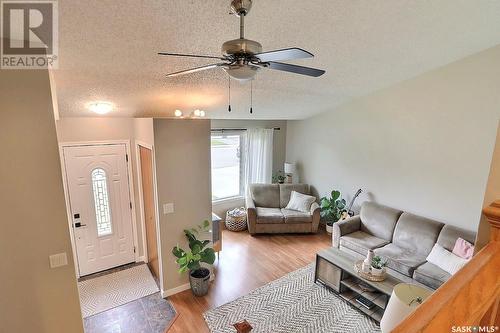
(238, 129)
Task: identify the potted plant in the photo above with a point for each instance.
(378, 265)
(279, 177)
(331, 209)
(190, 260)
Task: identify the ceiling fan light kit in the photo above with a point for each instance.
(243, 58)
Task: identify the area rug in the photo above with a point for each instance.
(293, 303)
(108, 291)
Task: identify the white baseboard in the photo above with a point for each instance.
(181, 288)
(141, 258)
(176, 290)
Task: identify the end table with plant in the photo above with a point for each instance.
(190, 260)
(331, 209)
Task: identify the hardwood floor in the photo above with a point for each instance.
(246, 262)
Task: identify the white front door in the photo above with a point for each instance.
(98, 188)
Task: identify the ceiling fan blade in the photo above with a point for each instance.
(296, 69)
(194, 70)
(285, 54)
(189, 55)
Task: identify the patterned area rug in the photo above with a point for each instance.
(293, 303)
(108, 291)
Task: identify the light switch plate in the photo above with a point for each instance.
(58, 260)
(168, 208)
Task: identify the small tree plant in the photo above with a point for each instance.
(332, 208)
(198, 252)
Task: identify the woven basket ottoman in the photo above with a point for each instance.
(236, 219)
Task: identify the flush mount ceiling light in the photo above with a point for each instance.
(100, 107)
(178, 113)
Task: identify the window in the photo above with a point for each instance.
(227, 165)
(101, 202)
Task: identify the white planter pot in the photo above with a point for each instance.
(377, 271)
(329, 229)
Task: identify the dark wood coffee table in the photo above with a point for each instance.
(335, 269)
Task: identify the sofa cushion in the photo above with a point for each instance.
(286, 191)
(294, 216)
(378, 220)
(361, 242)
(400, 259)
(463, 249)
(431, 275)
(416, 234)
(300, 202)
(269, 215)
(446, 260)
(265, 195)
(449, 235)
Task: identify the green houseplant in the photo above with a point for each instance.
(190, 260)
(279, 177)
(331, 209)
(378, 265)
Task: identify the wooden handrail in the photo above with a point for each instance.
(470, 297)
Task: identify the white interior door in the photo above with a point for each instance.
(98, 188)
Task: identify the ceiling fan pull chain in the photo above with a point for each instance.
(229, 95)
(251, 96)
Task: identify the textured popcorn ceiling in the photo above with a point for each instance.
(108, 51)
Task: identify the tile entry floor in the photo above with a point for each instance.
(150, 314)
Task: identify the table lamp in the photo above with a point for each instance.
(404, 300)
(289, 171)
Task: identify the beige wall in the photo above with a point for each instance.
(33, 297)
(279, 152)
(74, 129)
(423, 145)
(491, 194)
(182, 152)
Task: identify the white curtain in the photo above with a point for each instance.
(259, 156)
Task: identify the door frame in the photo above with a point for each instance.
(143, 144)
(62, 145)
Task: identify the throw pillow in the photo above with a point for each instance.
(446, 260)
(300, 202)
(463, 248)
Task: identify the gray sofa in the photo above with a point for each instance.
(267, 214)
(402, 239)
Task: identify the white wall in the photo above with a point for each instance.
(423, 145)
(182, 153)
(74, 129)
(33, 297)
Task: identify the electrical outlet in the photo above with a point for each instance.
(168, 208)
(58, 260)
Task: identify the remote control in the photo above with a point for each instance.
(365, 302)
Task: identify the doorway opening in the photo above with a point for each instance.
(113, 277)
(148, 201)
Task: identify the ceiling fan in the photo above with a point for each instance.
(242, 58)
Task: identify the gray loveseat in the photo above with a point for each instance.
(401, 238)
(267, 214)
